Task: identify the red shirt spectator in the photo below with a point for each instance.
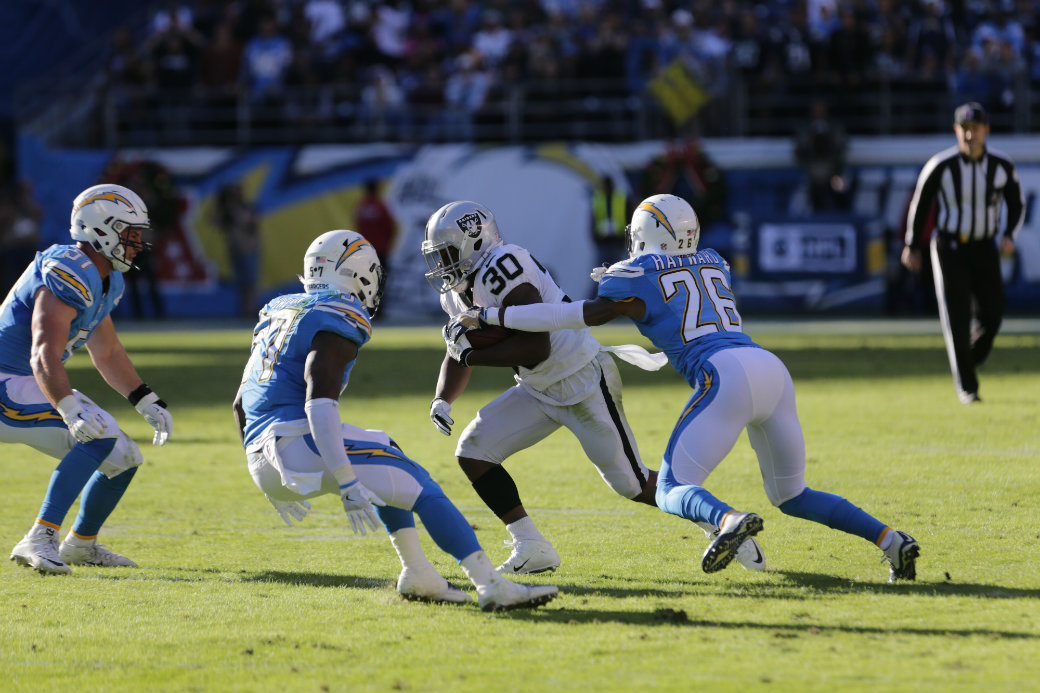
(375, 222)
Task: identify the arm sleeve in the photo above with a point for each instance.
(924, 194)
(323, 417)
(1015, 203)
(544, 317)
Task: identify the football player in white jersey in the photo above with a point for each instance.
(680, 299)
(563, 378)
(304, 348)
(62, 302)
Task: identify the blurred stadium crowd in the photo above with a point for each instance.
(236, 71)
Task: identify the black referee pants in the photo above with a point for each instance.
(967, 282)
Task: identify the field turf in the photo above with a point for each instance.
(227, 598)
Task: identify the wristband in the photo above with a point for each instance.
(138, 394)
(68, 406)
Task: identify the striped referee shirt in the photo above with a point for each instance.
(968, 194)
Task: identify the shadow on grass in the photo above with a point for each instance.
(678, 617)
(831, 584)
(316, 579)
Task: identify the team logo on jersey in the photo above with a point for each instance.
(72, 281)
(111, 197)
(651, 209)
(471, 224)
(350, 249)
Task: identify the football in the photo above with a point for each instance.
(487, 336)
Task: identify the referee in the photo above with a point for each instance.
(968, 182)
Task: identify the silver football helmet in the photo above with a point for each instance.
(344, 261)
(100, 216)
(459, 236)
(664, 225)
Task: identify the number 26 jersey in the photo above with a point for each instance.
(691, 311)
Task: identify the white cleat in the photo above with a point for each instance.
(504, 595)
(530, 556)
(750, 555)
(39, 550)
(93, 554)
(902, 554)
(429, 586)
(736, 529)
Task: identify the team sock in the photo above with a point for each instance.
(834, 512)
(100, 498)
(70, 476)
(695, 503)
(395, 519)
(446, 525)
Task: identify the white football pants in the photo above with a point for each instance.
(742, 388)
(516, 420)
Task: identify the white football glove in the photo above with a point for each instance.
(457, 343)
(86, 420)
(358, 502)
(440, 415)
(290, 510)
(158, 417)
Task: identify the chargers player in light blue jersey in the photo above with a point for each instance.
(304, 348)
(60, 303)
(681, 300)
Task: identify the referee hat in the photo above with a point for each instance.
(971, 112)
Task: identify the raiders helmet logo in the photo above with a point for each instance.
(472, 224)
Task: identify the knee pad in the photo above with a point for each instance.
(125, 455)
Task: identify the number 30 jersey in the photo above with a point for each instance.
(273, 387)
(73, 277)
(505, 268)
(691, 311)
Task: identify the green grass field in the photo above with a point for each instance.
(229, 599)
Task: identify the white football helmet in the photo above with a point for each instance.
(663, 225)
(101, 214)
(344, 261)
(459, 236)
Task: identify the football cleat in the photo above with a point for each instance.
(503, 595)
(429, 586)
(39, 550)
(735, 530)
(901, 554)
(750, 556)
(530, 556)
(93, 554)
